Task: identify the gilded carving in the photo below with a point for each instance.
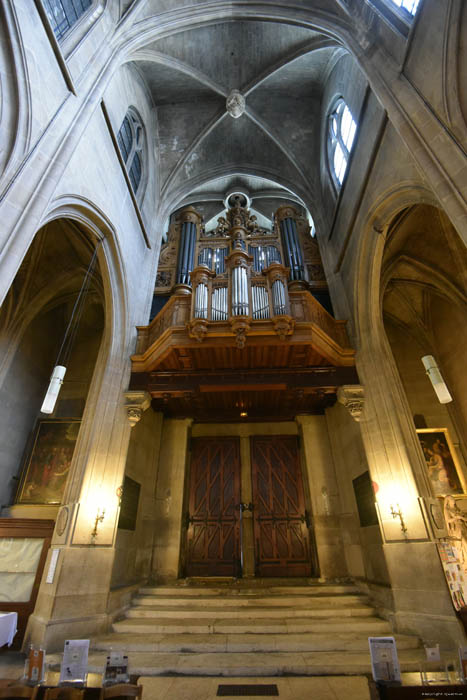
(284, 326)
(197, 328)
(164, 278)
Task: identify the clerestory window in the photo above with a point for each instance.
(63, 14)
(341, 135)
(409, 5)
(130, 142)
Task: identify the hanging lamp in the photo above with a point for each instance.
(56, 380)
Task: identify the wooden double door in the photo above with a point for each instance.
(277, 518)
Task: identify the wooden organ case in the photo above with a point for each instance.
(241, 336)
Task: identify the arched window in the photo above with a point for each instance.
(130, 142)
(341, 134)
(409, 5)
(63, 14)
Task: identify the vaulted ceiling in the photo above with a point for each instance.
(280, 69)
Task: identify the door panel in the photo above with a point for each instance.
(282, 542)
(213, 547)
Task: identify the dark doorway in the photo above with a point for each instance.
(213, 534)
(282, 541)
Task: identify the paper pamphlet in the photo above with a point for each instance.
(384, 661)
(35, 666)
(74, 666)
(116, 669)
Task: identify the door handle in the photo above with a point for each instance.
(245, 506)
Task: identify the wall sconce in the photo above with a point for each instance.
(398, 514)
(99, 518)
(434, 375)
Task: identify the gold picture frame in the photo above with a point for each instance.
(444, 471)
(48, 463)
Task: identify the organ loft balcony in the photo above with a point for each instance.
(241, 333)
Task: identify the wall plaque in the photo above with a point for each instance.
(365, 498)
(129, 506)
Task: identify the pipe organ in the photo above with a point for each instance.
(237, 274)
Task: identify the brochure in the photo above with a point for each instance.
(384, 661)
(116, 669)
(74, 666)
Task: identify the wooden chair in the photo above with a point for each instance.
(12, 692)
(63, 693)
(122, 690)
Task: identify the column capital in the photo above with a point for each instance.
(352, 397)
(136, 402)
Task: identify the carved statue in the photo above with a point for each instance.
(222, 227)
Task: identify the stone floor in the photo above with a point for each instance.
(329, 688)
(170, 688)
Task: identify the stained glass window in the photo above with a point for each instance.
(342, 128)
(129, 138)
(63, 14)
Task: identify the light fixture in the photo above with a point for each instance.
(100, 515)
(434, 375)
(56, 380)
(398, 514)
(243, 414)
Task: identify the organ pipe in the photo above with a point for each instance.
(290, 242)
(188, 234)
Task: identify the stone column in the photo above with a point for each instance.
(420, 596)
(170, 498)
(324, 496)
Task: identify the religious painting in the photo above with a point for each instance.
(48, 463)
(444, 471)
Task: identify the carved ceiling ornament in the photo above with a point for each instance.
(352, 397)
(235, 104)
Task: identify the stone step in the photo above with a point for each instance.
(254, 613)
(366, 626)
(221, 643)
(241, 590)
(245, 601)
(257, 664)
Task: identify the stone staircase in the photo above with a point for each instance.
(246, 629)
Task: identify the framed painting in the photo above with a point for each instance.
(48, 462)
(444, 470)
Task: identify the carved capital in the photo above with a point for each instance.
(136, 402)
(351, 396)
(286, 212)
(189, 214)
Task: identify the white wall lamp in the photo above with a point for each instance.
(56, 380)
(434, 375)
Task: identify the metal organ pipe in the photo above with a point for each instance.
(191, 249)
(201, 301)
(219, 304)
(292, 248)
(186, 252)
(278, 298)
(244, 300)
